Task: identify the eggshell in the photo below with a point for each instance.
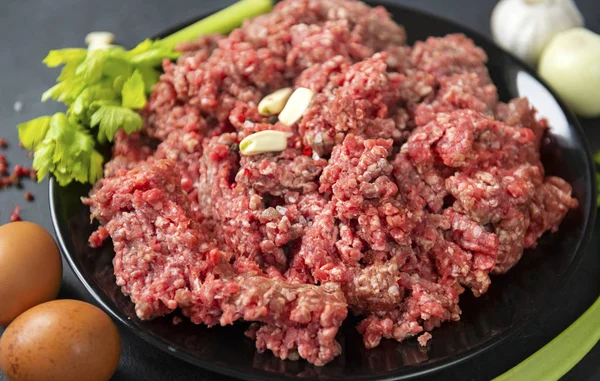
(30, 268)
(61, 340)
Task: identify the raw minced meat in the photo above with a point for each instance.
(405, 183)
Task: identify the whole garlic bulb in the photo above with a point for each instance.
(524, 27)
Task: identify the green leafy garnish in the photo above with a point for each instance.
(133, 93)
(103, 90)
(64, 56)
(111, 118)
(63, 148)
(33, 132)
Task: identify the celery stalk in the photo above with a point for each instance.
(223, 21)
(557, 357)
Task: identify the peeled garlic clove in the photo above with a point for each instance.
(263, 142)
(570, 65)
(273, 103)
(99, 38)
(296, 106)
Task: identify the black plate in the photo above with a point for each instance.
(513, 298)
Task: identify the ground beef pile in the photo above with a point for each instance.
(405, 183)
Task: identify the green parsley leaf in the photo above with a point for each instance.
(87, 102)
(116, 65)
(68, 72)
(92, 67)
(65, 92)
(42, 159)
(33, 132)
(133, 93)
(118, 83)
(150, 76)
(65, 56)
(111, 118)
(95, 170)
(68, 152)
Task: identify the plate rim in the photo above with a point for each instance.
(162, 344)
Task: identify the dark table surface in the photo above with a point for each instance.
(29, 28)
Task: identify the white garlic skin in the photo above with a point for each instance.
(524, 27)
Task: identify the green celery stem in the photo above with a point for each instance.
(222, 22)
(557, 357)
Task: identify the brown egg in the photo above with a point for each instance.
(30, 268)
(61, 340)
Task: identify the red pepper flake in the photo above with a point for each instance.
(247, 172)
(331, 132)
(237, 140)
(18, 172)
(15, 214)
(22, 171)
(14, 179)
(215, 133)
(28, 196)
(307, 151)
(233, 185)
(3, 165)
(3, 143)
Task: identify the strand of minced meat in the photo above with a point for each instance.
(214, 90)
(164, 260)
(359, 176)
(492, 171)
(263, 55)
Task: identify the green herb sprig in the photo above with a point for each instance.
(103, 90)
